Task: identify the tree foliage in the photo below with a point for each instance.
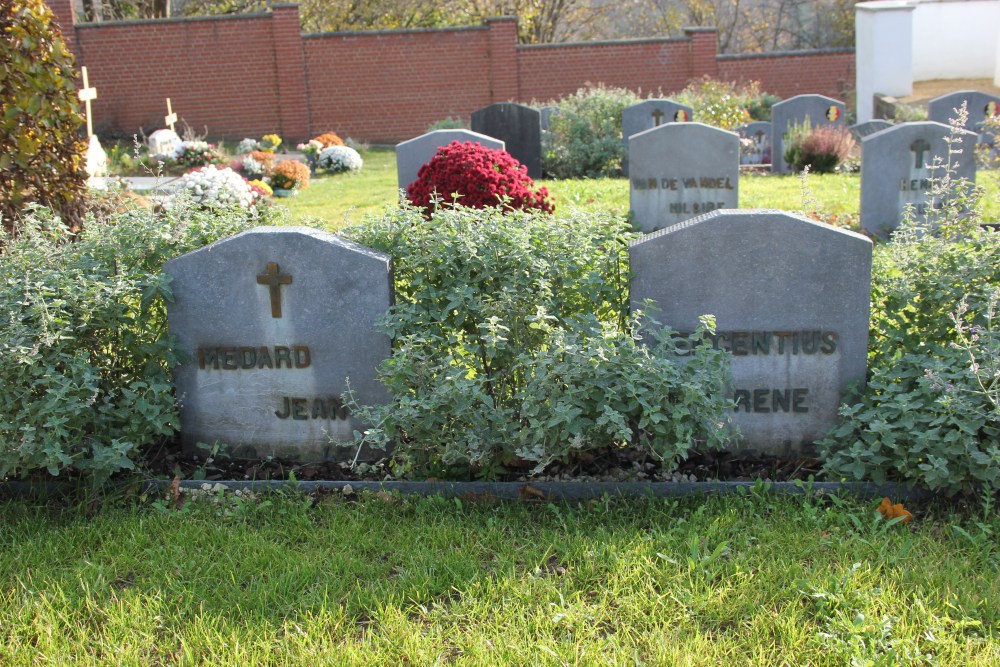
(41, 154)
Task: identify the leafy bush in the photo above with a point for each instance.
(41, 154)
(476, 177)
(340, 159)
(719, 103)
(84, 351)
(513, 347)
(585, 137)
(289, 175)
(759, 106)
(448, 123)
(822, 149)
(929, 413)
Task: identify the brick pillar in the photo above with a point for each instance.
(65, 18)
(703, 45)
(504, 85)
(290, 67)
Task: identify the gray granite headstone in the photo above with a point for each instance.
(682, 170)
(980, 105)
(819, 109)
(759, 152)
(862, 130)
(545, 116)
(519, 127)
(648, 114)
(416, 152)
(895, 171)
(791, 298)
(276, 322)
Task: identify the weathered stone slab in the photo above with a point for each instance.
(275, 322)
(862, 130)
(648, 114)
(819, 109)
(759, 152)
(416, 152)
(791, 298)
(895, 171)
(519, 127)
(681, 170)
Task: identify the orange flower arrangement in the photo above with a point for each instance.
(890, 511)
(289, 175)
(329, 139)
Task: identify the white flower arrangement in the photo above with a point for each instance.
(338, 159)
(214, 187)
(253, 166)
(247, 145)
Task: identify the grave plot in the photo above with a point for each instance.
(519, 127)
(818, 109)
(416, 152)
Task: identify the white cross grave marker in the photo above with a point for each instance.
(87, 94)
(170, 118)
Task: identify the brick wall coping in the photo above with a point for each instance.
(400, 31)
(185, 19)
(783, 54)
(605, 42)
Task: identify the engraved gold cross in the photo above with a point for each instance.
(274, 281)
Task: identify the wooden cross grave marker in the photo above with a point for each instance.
(87, 94)
(171, 118)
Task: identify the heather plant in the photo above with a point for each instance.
(719, 103)
(823, 149)
(85, 354)
(512, 347)
(585, 137)
(477, 177)
(928, 413)
(41, 153)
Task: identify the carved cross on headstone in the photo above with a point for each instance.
(171, 118)
(658, 117)
(87, 94)
(274, 281)
(919, 147)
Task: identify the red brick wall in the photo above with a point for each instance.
(218, 73)
(385, 87)
(827, 72)
(254, 74)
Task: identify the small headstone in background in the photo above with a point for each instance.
(415, 153)
(163, 143)
(97, 164)
(545, 116)
(819, 109)
(894, 171)
(648, 114)
(791, 298)
(519, 127)
(682, 170)
(759, 152)
(275, 322)
(862, 130)
(980, 105)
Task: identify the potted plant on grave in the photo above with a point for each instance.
(312, 148)
(288, 177)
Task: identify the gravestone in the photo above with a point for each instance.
(545, 115)
(275, 322)
(980, 106)
(759, 152)
(648, 114)
(895, 173)
(681, 170)
(791, 298)
(862, 130)
(163, 143)
(519, 127)
(819, 109)
(416, 152)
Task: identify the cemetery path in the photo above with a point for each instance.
(928, 90)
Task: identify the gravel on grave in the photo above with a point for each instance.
(614, 465)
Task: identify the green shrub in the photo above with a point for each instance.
(512, 344)
(84, 351)
(719, 103)
(41, 153)
(759, 106)
(585, 137)
(929, 413)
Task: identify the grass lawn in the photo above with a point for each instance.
(342, 200)
(744, 580)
